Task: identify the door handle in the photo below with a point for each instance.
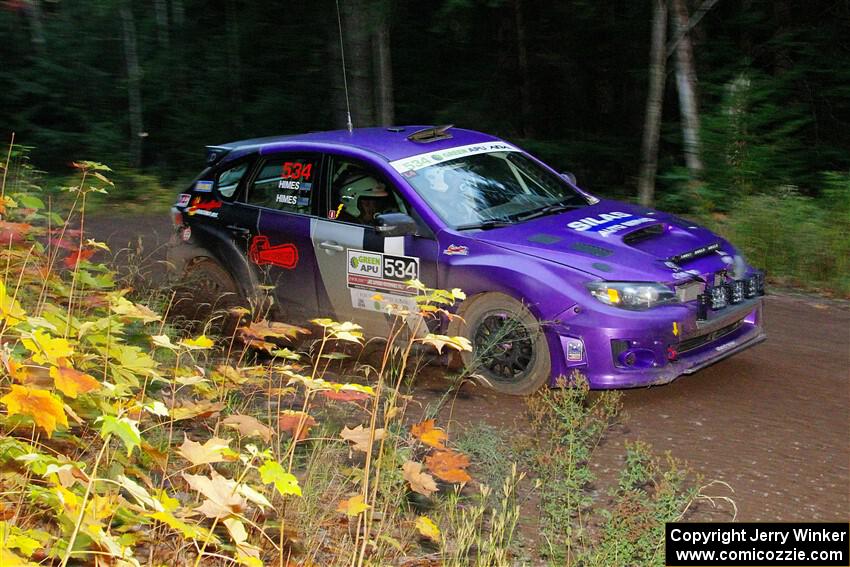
(331, 246)
(241, 231)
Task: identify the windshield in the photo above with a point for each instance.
(493, 187)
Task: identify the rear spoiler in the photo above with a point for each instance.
(215, 153)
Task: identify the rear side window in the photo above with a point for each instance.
(285, 183)
(228, 180)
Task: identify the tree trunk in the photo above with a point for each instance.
(383, 70)
(33, 12)
(337, 80)
(134, 95)
(178, 13)
(527, 128)
(686, 84)
(654, 104)
(161, 12)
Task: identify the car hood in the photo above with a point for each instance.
(617, 241)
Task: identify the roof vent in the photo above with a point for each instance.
(431, 134)
(395, 129)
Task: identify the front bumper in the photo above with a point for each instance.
(628, 350)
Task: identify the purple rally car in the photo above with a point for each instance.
(556, 279)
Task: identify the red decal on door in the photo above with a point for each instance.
(281, 255)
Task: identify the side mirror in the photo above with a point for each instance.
(569, 176)
(395, 224)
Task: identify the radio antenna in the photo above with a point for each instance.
(349, 124)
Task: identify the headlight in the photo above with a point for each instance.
(632, 295)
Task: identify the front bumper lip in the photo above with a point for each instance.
(733, 331)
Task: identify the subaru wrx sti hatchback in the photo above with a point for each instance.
(556, 279)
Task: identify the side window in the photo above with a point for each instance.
(285, 183)
(358, 193)
(228, 180)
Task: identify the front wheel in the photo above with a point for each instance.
(509, 350)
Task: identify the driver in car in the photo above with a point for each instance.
(364, 198)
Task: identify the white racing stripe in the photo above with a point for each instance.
(394, 245)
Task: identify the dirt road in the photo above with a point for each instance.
(773, 422)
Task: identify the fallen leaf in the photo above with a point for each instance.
(420, 482)
(248, 426)
(10, 310)
(428, 434)
(427, 528)
(198, 343)
(360, 437)
(296, 421)
(222, 497)
(73, 382)
(448, 466)
(345, 395)
(126, 309)
(200, 410)
(189, 531)
(209, 452)
(353, 506)
(44, 407)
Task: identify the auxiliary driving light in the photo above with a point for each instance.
(718, 297)
(737, 291)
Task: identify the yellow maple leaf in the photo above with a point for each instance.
(72, 382)
(426, 527)
(44, 407)
(353, 506)
(209, 452)
(46, 348)
(428, 434)
(198, 343)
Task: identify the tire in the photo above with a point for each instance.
(509, 349)
(206, 293)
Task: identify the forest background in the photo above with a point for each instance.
(735, 112)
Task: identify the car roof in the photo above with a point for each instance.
(390, 143)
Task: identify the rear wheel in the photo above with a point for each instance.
(207, 293)
(509, 350)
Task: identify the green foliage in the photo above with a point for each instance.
(800, 241)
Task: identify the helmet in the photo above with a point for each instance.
(360, 187)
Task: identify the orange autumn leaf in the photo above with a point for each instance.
(428, 434)
(77, 256)
(353, 506)
(72, 382)
(345, 395)
(296, 422)
(261, 330)
(43, 406)
(449, 466)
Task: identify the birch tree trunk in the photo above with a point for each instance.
(384, 101)
(686, 85)
(134, 96)
(654, 104)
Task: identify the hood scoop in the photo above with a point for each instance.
(644, 233)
